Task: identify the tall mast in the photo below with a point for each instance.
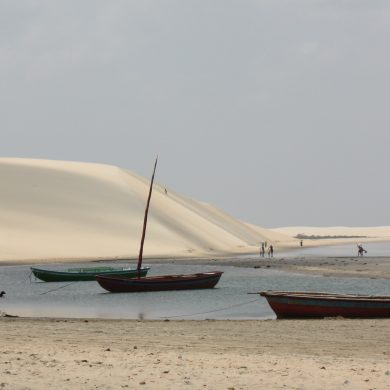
(141, 249)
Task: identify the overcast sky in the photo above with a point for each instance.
(275, 111)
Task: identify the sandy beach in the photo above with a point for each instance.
(108, 354)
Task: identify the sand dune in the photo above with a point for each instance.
(69, 210)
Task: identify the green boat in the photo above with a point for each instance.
(83, 274)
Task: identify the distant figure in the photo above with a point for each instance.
(361, 250)
(301, 243)
(271, 251)
(265, 244)
(165, 190)
(2, 294)
(262, 250)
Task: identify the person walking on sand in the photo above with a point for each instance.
(361, 250)
(262, 250)
(271, 251)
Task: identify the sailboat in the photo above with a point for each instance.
(157, 283)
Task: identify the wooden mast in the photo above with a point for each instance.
(141, 249)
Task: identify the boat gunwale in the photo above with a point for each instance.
(324, 296)
(93, 271)
(168, 278)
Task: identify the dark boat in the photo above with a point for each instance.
(157, 283)
(160, 283)
(84, 274)
(288, 304)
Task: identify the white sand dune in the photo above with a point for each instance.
(68, 211)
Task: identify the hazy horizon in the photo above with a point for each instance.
(274, 111)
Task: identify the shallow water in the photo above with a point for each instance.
(373, 249)
(229, 300)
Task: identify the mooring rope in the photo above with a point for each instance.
(213, 311)
(55, 289)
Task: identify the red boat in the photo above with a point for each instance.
(160, 283)
(319, 305)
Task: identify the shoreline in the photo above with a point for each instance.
(283, 249)
(223, 354)
(338, 266)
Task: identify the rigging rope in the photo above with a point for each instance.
(213, 311)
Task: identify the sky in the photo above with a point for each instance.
(275, 111)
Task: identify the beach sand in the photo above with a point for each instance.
(115, 354)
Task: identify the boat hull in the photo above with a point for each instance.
(85, 274)
(320, 305)
(160, 283)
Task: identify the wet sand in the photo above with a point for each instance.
(348, 266)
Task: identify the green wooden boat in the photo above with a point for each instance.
(83, 274)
